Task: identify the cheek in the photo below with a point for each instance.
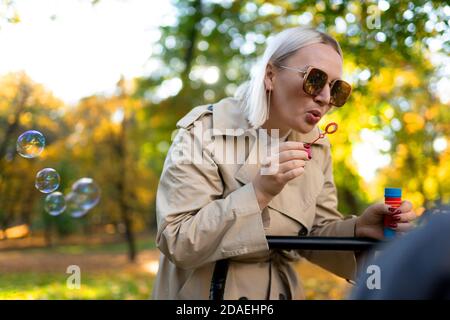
(288, 94)
(292, 102)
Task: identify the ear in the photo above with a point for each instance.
(269, 76)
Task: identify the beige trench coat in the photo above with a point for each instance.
(208, 212)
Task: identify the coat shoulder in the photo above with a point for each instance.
(197, 113)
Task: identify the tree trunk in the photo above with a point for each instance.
(19, 105)
(189, 55)
(48, 234)
(121, 187)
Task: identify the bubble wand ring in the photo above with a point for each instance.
(329, 129)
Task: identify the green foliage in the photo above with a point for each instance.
(388, 64)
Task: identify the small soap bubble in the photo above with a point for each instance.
(47, 180)
(73, 205)
(30, 144)
(87, 191)
(55, 203)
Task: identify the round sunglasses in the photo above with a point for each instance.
(315, 79)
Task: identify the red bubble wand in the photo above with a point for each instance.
(329, 129)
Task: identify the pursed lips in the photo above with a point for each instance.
(315, 113)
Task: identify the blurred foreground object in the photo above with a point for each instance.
(416, 266)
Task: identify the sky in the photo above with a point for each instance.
(76, 49)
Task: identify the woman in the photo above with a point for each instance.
(212, 211)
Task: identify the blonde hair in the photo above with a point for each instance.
(279, 48)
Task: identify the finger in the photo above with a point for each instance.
(267, 160)
(291, 145)
(405, 206)
(270, 160)
(269, 166)
(405, 217)
(292, 154)
(404, 227)
(291, 165)
(294, 173)
(380, 208)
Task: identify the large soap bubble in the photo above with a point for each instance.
(30, 144)
(87, 192)
(73, 205)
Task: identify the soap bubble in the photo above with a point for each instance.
(30, 144)
(87, 191)
(74, 208)
(55, 203)
(47, 180)
(84, 196)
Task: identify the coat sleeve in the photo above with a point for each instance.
(196, 224)
(329, 222)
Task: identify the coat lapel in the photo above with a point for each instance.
(249, 169)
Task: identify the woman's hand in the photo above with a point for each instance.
(370, 223)
(292, 159)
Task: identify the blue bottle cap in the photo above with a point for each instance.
(392, 192)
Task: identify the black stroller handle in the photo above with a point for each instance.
(293, 243)
(322, 243)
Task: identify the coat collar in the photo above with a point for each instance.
(228, 118)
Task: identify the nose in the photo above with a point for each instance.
(323, 98)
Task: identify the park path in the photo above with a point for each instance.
(23, 261)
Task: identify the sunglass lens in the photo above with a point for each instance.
(340, 91)
(315, 81)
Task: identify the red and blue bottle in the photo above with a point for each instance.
(392, 198)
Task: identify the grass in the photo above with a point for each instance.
(40, 273)
(109, 285)
(134, 284)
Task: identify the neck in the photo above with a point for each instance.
(273, 124)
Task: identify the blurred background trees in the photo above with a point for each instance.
(388, 49)
(395, 54)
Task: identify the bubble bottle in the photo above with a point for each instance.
(392, 198)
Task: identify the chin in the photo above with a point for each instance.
(302, 127)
